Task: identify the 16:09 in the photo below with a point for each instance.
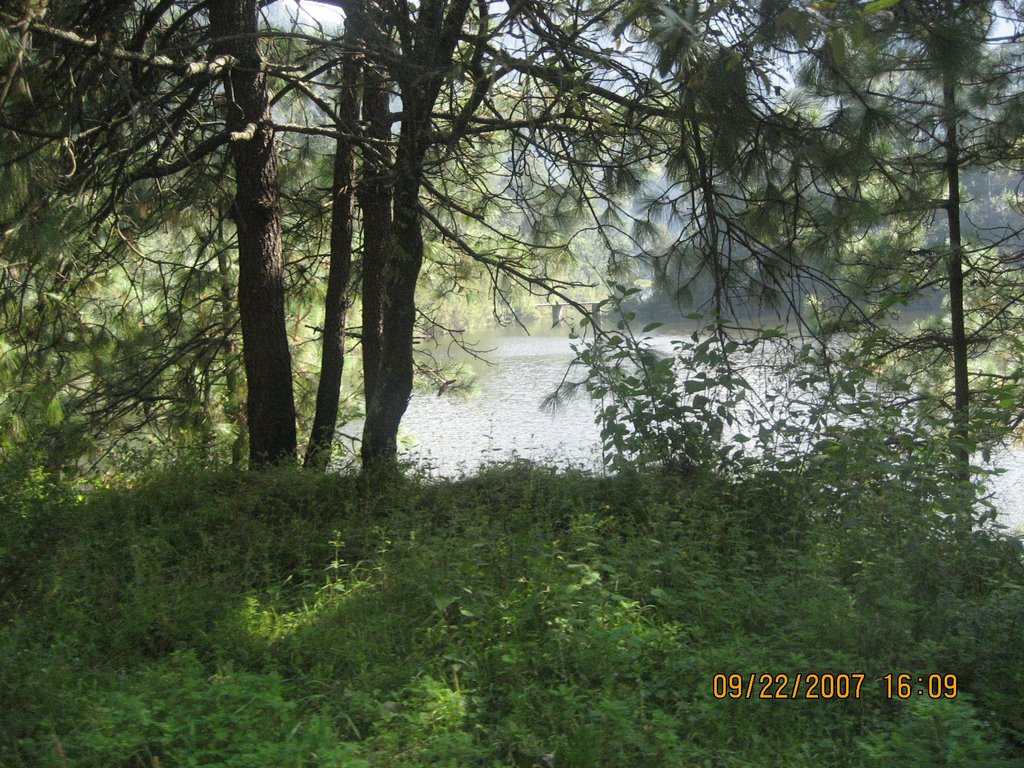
(933, 686)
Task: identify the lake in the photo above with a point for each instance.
(500, 417)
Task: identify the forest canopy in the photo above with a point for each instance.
(211, 206)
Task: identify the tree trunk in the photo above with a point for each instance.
(233, 407)
(427, 46)
(336, 304)
(375, 193)
(270, 404)
(961, 384)
(393, 383)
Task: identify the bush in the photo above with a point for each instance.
(174, 713)
(936, 733)
(218, 618)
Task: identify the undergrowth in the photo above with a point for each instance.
(212, 618)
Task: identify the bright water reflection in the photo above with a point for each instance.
(454, 432)
(502, 415)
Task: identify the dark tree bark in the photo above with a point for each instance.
(955, 265)
(374, 192)
(427, 48)
(393, 379)
(339, 275)
(270, 404)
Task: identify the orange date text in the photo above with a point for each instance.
(801, 685)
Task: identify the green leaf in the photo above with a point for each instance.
(443, 601)
(876, 6)
(54, 413)
(797, 21)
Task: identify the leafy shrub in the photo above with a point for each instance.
(935, 733)
(669, 411)
(489, 620)
(174, 713)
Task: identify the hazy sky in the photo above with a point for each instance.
(306, 13)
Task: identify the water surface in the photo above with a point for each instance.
(501, 416)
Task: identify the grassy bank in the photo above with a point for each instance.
(207, 618)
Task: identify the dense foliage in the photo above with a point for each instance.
(200, 197)
(204, 196)
(204, 617)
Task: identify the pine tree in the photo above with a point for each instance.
(924, 92)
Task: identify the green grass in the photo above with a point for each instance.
(212, 618)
